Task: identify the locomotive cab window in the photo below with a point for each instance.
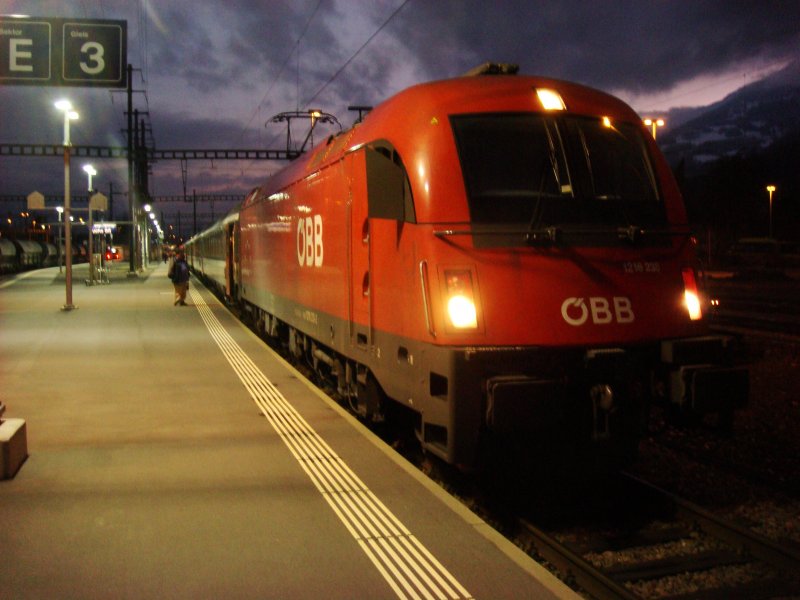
(388, 189)
(539, 171)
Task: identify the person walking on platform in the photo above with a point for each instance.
(179, 274)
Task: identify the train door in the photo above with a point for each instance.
(359, 253)
(379, 193)
(231, 262)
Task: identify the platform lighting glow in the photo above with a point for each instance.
(607, 122)
(654, 124)
(550, 99)
(65, 106)
(147, 208)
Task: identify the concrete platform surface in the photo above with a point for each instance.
(173, 455)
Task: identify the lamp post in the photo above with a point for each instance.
(69, 114)
(90, 171)
(770, 189)
(654, 124)
(60, 210)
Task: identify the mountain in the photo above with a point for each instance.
(743, 123)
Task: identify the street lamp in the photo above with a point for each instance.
(654, 123)
(770, 189)
(90, 171)
(60, 211)
(65, 106)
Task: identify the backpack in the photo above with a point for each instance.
(181, 272)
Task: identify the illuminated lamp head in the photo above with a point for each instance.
(461, 309)
(550, 99)
(691, 295)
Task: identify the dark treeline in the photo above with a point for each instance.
(729, 197)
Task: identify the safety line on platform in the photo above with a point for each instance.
(16, 278)
(406, 564)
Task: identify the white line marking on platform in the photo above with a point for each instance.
(408, 567)
(16, 278)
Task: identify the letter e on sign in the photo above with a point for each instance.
(25, 51)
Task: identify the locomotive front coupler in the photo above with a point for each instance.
(701, 377)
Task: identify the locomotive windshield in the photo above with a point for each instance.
(539, 171)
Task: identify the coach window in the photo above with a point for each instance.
(388, 188)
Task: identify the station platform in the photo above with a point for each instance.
(172, 454)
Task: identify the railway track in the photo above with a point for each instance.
(778, 482)
(648, 556)
(771, 307)
(758, 323)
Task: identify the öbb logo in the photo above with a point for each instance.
(309, 241)
(602, 312)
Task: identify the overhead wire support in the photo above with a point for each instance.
(48, 150)
(57, 150)
(362, 111)
(316, 116)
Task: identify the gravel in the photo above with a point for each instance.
(752, 475)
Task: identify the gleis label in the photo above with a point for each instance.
(309, 241)
(600, 310)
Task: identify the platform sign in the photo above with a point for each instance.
(63, 52)
(35, 201)
(26, 51)
(98, 202)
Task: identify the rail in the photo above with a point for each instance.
(744, 547)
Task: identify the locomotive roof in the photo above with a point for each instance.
(400, 118)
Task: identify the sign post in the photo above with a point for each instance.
(64, 52)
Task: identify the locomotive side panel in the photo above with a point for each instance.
(293, 253)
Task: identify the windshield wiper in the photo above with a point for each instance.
(536, 214)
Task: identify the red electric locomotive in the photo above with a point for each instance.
(498, 257)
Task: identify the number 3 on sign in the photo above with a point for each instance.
(95, 53)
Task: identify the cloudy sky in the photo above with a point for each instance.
(212, 73)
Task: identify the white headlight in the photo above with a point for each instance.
(462, 312)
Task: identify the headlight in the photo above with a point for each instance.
(691, 297)
(461, 300)
(462, 312)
